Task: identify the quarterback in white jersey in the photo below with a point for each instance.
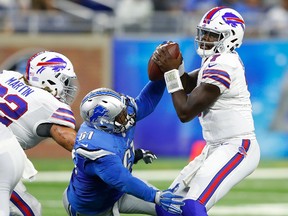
(217, 93)
(36, 106)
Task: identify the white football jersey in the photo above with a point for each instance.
(23, 108)
(231, 115)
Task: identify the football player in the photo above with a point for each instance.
(37, 106)
(101, 182)
(216, 92)
(12, 160)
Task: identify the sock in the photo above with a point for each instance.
(193, 208)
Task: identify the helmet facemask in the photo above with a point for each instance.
(124, 120)
(209, 41)
(69, 90)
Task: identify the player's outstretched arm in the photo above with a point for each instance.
(111, 170)
(64, 136)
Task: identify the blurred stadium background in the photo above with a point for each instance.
(110, 42)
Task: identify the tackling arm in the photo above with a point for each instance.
(64, 136)
(124, 181)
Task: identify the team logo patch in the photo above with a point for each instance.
(242, 150)
(233, 20)
(56, 64)
(99, 111)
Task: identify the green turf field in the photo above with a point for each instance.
(250, 197)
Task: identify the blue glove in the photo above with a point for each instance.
(166, 199)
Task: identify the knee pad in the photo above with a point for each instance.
(193, 208)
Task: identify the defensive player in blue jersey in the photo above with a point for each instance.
(101, 182)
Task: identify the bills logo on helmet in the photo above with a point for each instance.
(99, 111)
(233, 20)
(57, 64)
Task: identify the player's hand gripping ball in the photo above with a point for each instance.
(154, 71)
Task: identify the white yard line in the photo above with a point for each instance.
(162, 175)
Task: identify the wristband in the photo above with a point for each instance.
(157, 197)
(173, 81)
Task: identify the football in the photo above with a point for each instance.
(154, 72)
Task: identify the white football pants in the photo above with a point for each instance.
(216, 170)
(12, 160)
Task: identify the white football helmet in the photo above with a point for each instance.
(53, 72)
(220, 30)
(101, 107)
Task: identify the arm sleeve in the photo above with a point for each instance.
(43, 130)
(149, 97)
(111, 170)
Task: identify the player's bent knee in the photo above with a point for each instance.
(193, 207)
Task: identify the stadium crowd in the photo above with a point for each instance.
(264, 18)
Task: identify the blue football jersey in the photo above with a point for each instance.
(103, 161)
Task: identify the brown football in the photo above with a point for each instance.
(154, 72)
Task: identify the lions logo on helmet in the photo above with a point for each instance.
(98, 112)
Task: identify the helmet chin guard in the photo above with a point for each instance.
(225, 25)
